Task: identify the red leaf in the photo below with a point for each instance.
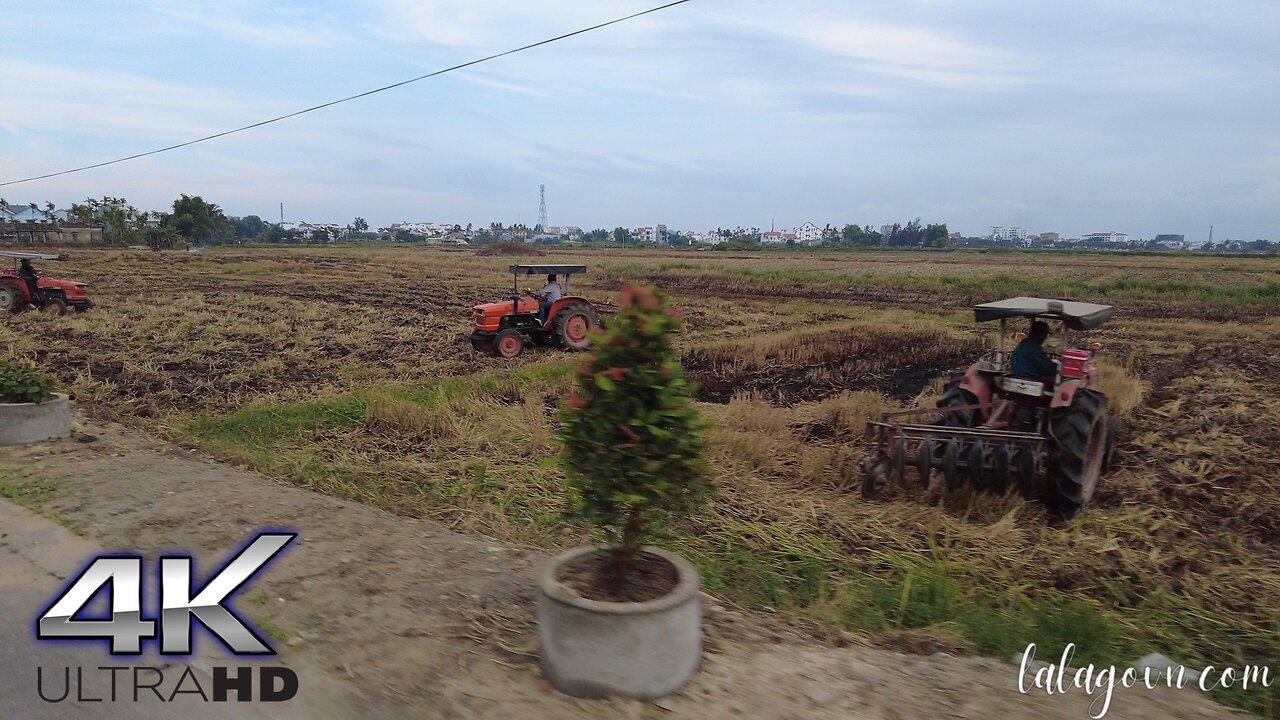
(645, 297)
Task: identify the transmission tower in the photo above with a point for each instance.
(542, 207)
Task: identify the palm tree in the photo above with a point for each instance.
(160, 237)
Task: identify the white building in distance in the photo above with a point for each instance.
(1109, 237)
(809, 234)
(1009, 234)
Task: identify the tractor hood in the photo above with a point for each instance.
(46, 282)
(503, 307)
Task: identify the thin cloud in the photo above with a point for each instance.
(103, 102)
(489, 82)
(290, 30)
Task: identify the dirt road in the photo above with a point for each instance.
(423, 622)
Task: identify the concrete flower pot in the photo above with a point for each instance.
(23, 423)
(641, 650)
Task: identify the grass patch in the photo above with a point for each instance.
(28, 489)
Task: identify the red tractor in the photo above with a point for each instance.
(991, 425)
(51, 296)
(503, 328)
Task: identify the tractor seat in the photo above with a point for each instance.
(1027, 387)
(986, 367)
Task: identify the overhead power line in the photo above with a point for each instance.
(352, 97)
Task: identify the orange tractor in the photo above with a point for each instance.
(505, 327)
(51, 295)
(1052, 435)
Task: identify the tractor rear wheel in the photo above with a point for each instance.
(573, 325)
(508, 343)
(955, 397)
(1077, 449)
(10, 298)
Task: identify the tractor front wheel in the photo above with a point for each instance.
(573, 325)
(1077, 449)
(508, 344)
(55, 306)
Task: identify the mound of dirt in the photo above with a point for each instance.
(511, 248)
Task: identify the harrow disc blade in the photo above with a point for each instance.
(951, 464)
(975, 462)
(900, 461)
(924, 461)
(1025, 466)
(1001, 458)
(875, 479)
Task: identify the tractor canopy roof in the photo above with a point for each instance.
(28, 256)
(1076, 315)
(546, 269)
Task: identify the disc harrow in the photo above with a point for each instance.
(930, 439)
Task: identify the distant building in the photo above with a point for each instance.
(809, 234)
(1050, 237)
(22, 214)
(772, 237)
(45, 233)
(645, 234)
(1105, 237)
(1009, 234)
(1171, 242)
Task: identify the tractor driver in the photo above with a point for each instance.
(28, 275)
(547, 297)
(1029, 360)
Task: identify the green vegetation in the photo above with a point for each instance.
(27, 488)
(23, 384)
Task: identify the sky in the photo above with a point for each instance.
(1143, 117)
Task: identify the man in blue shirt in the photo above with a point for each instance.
(1029, 360)
(547, 297)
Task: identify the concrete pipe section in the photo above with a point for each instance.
(641, 650)
(23, 423)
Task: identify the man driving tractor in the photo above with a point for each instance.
(28, 275)
(547, 297)
(1029, 360)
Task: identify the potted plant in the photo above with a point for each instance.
(30, 411)
(624, 618)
